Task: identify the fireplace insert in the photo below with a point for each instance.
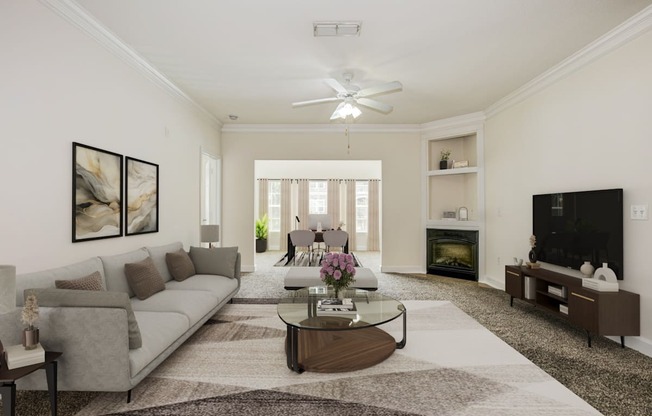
(452, 253)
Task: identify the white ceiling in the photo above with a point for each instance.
(253, 58)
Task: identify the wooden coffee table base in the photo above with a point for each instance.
(341, 351)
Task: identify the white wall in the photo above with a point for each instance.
(318, 169)
(590, 130)
(401, 187)
(58, 86)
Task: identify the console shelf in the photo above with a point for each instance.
(598, 313)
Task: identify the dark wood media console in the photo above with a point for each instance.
(599, 313)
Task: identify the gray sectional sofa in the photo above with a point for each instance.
(110, 339)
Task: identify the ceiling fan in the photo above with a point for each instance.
(350, 95)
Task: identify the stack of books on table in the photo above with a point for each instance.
(336, 307)
(17, 356)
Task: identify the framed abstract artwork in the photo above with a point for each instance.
(142, 197)
(96, 193)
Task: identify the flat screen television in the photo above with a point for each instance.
(574, 227)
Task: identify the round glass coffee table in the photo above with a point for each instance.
(338, 342)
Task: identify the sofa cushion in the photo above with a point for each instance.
(91, 282)
(114, 269)
(46, 278)
(159, 331)
(194, 304)
(220, 287)
(158, 253)
(143, 278)
(216, 260)
(180, 265)
(51, 297)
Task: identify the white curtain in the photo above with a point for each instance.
(286, 212)
(350, 213)
(373, 232)
(304, 202)
(263, 197)
(333, 202)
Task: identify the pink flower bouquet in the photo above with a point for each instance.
(337, 270)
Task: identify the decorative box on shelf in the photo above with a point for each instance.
(558, 291)
(530, 288)
(563, 309)
(599, 285)
(17, 356)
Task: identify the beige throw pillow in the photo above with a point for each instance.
(91, 282)
(143, 278)
(217, 260)
(179, 265)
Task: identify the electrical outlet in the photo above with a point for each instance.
(638, 212)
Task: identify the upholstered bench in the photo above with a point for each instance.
(298, 277)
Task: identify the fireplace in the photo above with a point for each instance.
(452, 253)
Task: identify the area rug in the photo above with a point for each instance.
(451, 365)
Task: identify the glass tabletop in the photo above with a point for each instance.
(299, 309)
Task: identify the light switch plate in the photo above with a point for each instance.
(638, 212)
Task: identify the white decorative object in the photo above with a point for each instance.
(604, 280)
(599, 285)
(563, 308)
(605, 273)
(17, 356)
(587, 269)
(530, 288)
(7, 289)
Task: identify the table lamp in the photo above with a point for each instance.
(7, 293)
(210, 234)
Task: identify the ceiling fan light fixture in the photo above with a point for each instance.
(336, 28)
(344, 110)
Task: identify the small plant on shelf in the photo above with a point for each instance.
(445, 155)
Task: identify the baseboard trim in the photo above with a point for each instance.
(496, 284)
(640, 344)
(402, 269)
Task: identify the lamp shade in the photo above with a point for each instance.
(7, 288)
(210, 233)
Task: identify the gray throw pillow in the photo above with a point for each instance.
(143, 278)
(91, 282)
(90, 299)
(180, 265)
(216, 260)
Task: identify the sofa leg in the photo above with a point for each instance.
(129, 396)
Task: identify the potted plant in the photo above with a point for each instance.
(29, 317)
(445, 155)
(262, 231)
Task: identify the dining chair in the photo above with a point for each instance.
(335, 238)
(302, 239)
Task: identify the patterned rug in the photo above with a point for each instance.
(451, 365)
(307, 260)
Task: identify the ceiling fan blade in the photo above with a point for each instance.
(317, 101)
(375, 105)
(335, 84)
(380, 89)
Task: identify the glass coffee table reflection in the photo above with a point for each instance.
(341, 342)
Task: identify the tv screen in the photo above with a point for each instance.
(574, 227)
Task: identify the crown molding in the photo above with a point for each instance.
(321, 128)
(623, 33)
(470, 122)
(79, 17)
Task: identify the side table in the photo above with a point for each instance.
(8, 382)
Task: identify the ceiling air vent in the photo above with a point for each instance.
(336, 28)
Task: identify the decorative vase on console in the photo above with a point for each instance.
(532, 255)
(587, 269)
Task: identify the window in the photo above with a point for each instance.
(361, 206)
(318, 199)
(274, 205)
